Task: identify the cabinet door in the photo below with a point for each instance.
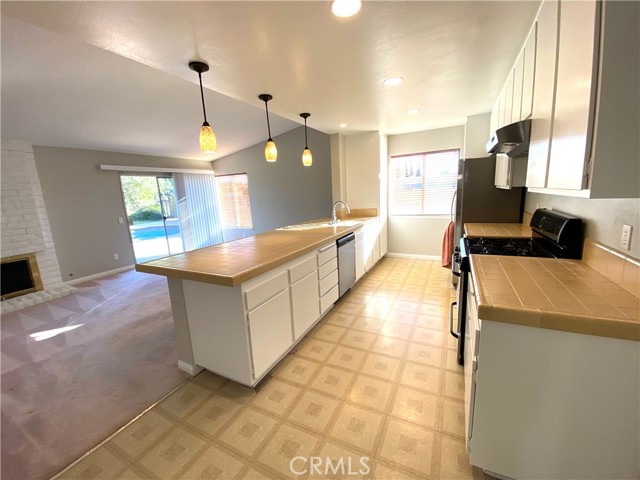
(503, 104)
(360, 257)
(573, 117)
(529, 74)
(495, 118)
(543, 94)
(270, 331)
(508, 98)
(304, 304)
(518, 75)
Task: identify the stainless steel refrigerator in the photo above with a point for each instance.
(479, 201)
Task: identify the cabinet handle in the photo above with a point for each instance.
(326, 247)
(455, 334)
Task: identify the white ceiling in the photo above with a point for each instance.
(114, 76)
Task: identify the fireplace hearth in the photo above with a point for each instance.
(19, 275)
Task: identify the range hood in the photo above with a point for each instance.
(511, 139)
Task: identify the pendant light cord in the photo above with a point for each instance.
(306, 144)
(204, 110)
(266, 107)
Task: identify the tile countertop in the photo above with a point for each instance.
(237, 261)
(494, 230)
(564, 295)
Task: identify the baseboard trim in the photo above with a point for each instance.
(189, 368)
(88, 278)
(413, 256)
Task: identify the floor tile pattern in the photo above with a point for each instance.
(374, 384)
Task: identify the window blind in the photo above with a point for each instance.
(423, 183)
(233, 194)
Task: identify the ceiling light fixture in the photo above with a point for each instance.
(413, 111)
(390, 82)
(307, 158)
(270, 150)
(208, 141)
(342, 125)
(345, 8)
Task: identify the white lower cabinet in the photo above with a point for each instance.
(241, 332)
(360, 254)
(304, 304)
(270, 332)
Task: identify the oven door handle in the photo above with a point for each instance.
(455, 259)
(455, 334)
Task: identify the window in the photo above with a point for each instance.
(233, 195)
(423, 183)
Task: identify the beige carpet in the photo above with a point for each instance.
(76, 369)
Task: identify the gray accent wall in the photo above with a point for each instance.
(284, 192)
(84, 203)
(604, 218)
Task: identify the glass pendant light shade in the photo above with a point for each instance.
(270, 151)
(307, 158)
(208, 141)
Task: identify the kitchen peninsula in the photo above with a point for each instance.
(240, 306)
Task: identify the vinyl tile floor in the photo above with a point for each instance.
(373, 391)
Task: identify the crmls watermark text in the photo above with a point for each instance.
(324, 466)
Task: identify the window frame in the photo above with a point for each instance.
(392, 184)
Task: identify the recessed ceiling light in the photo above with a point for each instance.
(413, 111)
(390, 82)
(342, 125)
(345, 8)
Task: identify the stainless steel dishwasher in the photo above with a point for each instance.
(346, 262)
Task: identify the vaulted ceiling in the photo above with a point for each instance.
(114, 76)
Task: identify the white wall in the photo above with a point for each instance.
(363, 170)
(476, 135)
(413, 235)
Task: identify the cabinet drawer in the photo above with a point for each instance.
(328, 282)
(326, 253)
(327, 268)
(302, 269)
(264, 291)
(328, 299)
(270, 331)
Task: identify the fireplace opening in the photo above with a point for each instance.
(19, 275)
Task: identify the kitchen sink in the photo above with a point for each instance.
(313, 225)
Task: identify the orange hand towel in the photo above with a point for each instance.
(447, 245)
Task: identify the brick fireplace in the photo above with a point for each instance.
(25, 225)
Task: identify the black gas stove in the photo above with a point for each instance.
(553, 235)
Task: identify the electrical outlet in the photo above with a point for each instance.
(626, 237)
(116, 256)
(120, 220)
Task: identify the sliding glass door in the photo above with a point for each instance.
(152, 211)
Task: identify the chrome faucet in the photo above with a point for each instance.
(334, 219)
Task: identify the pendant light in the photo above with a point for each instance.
(208, 141)
(270, 150)
(307, 158)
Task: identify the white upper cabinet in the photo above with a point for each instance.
(543, 94)
(574, 105)
(495, 117)
(585, 124)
